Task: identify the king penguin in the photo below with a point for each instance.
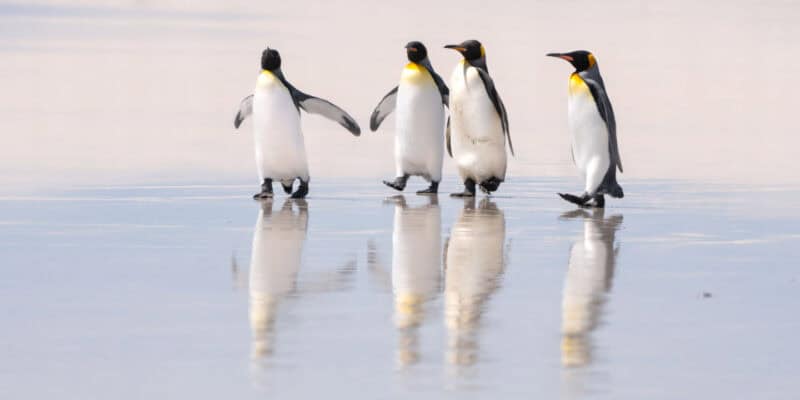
(479, 130)
(420, 98)
(593, 131)
(280, 149)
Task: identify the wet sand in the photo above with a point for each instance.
(677, 291)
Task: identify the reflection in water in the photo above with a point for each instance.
(277, 248)
(416, 270)
(474, 260)
(588, 279)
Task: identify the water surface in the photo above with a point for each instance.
(677, 291)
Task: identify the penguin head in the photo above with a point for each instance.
(472, 50)
(416, 51)
(270, 59)
(580, 59)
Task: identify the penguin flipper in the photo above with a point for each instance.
(447, 137)
(491, 90)
(607, 113)
(383, 109)
(443, 90)
(315, 105)
(245, 109)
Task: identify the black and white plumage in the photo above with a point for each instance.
(478, 130)
(593, 130)
(275, 107)
(419, 100)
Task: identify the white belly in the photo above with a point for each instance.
(419, 133)
(280, 150)
(416, 260)
(589, 138)
(477, 137)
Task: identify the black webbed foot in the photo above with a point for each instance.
(266, 190)
(469, 189)
(599, 201)
(287, 188)
(490, 185)
(432, 189)
(398, 183)
(580, 201)
(301, 191)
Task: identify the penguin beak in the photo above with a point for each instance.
(561, 56)
(455, 47)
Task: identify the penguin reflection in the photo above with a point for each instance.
(589, 274)
(277, 248)
(416, 270)
(474, 260)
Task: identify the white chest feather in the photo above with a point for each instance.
(419, 127)
(280, 150)
(477, 137)
(587, 129)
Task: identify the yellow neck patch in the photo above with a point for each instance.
(266, 78)
(414, 73)
(592, 60)
(577, 85)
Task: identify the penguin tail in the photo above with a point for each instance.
(615, 191)
(610, 185)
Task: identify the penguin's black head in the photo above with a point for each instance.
(470, 49)
(270, 59)
(416, 51)
(580, 59)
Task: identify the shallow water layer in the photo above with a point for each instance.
(676, 291)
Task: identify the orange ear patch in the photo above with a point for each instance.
(592, 60)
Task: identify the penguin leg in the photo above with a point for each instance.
(287, 188)
(599, 201)
(399, 183)
(432, 189)
(469, 189)
(580, 201)
(490, 185)
(266, 190)
(301, 191)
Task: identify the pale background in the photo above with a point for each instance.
(125, 92)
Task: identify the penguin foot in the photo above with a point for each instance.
(398, 184)
(287, 188)
(262, 195)
(490, 185)
(266, 190)
(432, 189)
(599, 201)
(580, 201)
(469, 189)
(301, 191)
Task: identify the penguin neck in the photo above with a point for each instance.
(414, 73)
(577, 85)
(479, 63)
(268, 78)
